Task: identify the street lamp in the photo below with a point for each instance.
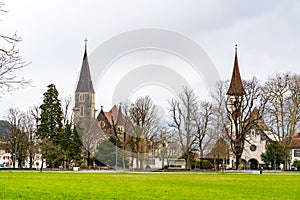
(153, 164)
(116, 154)
(15, 152)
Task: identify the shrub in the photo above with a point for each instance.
(84, 167)
(296, 164)
(206, 164)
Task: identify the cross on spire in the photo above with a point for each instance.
(85, 82)
(85, 42)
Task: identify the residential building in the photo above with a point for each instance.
(295, 148)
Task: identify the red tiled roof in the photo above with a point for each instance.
(296, 141)
(112, 114)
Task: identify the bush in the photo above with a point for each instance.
(84, 167)
(195, 164)
(206, 164)
(296, 164)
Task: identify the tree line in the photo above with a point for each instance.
(45, 132)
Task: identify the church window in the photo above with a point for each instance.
(120, 129)
(81, 97)
(252, 132)
(253, 147)
(102, 124)
(81, 111)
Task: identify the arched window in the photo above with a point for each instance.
(81, 97)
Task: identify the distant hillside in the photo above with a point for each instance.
(4, 128)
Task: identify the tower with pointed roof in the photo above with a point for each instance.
(236, 87)
(235, 105)
(84, 94)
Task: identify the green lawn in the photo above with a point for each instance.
(78, 185)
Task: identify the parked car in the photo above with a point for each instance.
(4, 165)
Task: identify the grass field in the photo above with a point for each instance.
(82, 185)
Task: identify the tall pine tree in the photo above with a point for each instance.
(50, 127)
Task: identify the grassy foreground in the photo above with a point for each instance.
(76, 185)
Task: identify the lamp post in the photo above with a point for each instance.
(153, 164)
(116, 154)
(15, 151)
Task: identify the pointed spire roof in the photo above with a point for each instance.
(236, 85)
(85, 83)
(120, 120)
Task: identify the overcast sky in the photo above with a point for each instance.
(267, 34)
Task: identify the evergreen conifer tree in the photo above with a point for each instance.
(50, 127)
(50, 123)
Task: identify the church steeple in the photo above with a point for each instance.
(120, 120)
(85, 83)
(236, 87)
(84, 93)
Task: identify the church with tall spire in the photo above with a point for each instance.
(94, 128)
(255, 142)
(85, 101)
(84, 93)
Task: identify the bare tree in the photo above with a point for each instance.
(141, 126)
(182, 113)
(122, 128)
(10, 63)
(143, 116)
(282, 94)
(166, 146)
(67, 118)
(35, 113)
(17, 140)
(221, 122)
(203, 117)
(91, 135)
(29, 127)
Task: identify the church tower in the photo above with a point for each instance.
(84, 94)
(236, 89)
(235, 105)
